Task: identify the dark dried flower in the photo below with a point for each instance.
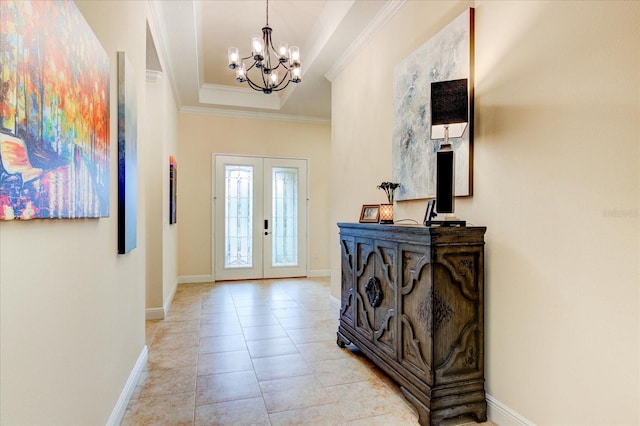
(390, 189)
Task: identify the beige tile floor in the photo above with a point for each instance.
(259, 353)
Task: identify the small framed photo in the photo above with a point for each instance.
(370, 213)
(429, 214)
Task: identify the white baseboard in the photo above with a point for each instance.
(192, 279)
(502, 415)
(319, 273)
(154, 314)
(129, 387)
(161, 313)
(167, 303)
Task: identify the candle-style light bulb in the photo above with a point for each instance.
(234, 57)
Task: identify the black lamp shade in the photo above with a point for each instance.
(449, 102)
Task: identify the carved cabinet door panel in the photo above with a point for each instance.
(381, 294)
(375, 293)
(416, 322)
(364, 272)
(458, 314)
(347, 302)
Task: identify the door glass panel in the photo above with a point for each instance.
(284, 216)
(238, 229)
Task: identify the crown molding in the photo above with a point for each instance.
(219, 112)
(365, 36)
(217, 94)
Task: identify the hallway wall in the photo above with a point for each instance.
(162, 237)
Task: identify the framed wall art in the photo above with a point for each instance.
(127, 156)
(448, 55)
(54, 113)
(173, 190)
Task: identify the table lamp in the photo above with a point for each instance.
(449, 118)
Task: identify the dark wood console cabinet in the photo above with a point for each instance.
(412, 302)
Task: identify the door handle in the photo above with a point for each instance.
(266, 227)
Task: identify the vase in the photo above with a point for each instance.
(386, 213)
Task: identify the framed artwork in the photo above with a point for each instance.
(127, 156)
(448, 55)
(370, 213)
(54, 113)
(173, 190)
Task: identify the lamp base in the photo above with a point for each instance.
(446, 223)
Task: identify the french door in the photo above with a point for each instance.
(260, 217)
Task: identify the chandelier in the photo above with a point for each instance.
(268, 62)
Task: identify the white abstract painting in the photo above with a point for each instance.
(448, 55)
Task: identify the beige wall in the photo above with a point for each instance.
(169, 232)
(154, 272)
(200, 136)
(556, 183)
(162, 238)
(71, 308)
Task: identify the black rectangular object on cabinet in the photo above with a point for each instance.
(444, 182)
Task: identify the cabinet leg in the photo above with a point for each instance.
(481, 418)
(480, 415)
(424, 414)
(342, 341)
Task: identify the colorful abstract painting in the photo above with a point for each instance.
(54, 113)
(448, 55)
(127, 156)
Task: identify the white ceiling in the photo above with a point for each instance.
(192, 38)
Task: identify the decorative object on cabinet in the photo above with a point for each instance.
(127, 156)
(389, 189)
(386, 210)
(54, 113)
(448, 55)
(412, 300)
(370, 213)
(429, 214)
(173, 190)
(386, 213)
